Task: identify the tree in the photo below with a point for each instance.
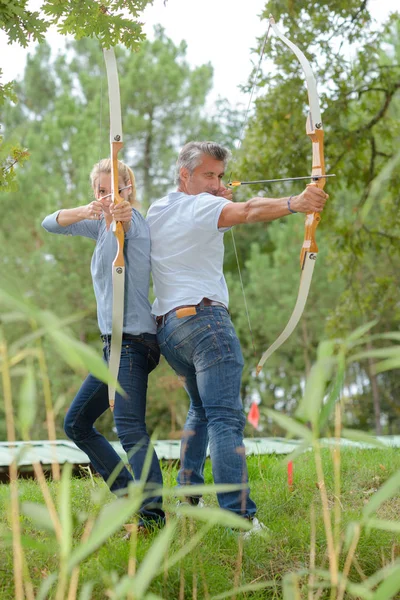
(84, 19)
(360, 108)
(57, 117)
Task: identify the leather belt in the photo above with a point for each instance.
(140, 337)
(189, 309)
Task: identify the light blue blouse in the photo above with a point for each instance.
(137, 310)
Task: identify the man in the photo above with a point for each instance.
(195, 332)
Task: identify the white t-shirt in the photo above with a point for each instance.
(187, 250)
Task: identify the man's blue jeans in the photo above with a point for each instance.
(139, 355)
(205, 351)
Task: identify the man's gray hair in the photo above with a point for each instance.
(191, 153)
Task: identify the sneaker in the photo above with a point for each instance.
(198, 502)
(191, 501)
(257, 527)
(130, 528)
(143, 527)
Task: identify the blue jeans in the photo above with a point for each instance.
(139, 355)
(205, 351)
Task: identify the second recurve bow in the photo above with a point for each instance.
(309, 250)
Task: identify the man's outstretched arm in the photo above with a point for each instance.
(258, 209)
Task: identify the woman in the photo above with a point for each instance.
(139, 353)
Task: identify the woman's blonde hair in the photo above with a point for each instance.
(104, 166)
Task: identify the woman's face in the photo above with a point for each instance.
(103, 192)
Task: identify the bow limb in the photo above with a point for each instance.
(118, 266)
(309, 250)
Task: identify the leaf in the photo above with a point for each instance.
(250, 587)
(355, 435)
(387, 491)
(110, 519)
(65, 510)
(334, 392)
(389, 587)
(378, 185)
(380, 575)
(290, 587)
(290, 425)
(11, 299)
(200, 490)
(86, 591)
(39, 515)
(37, 333)
(27, 402)
(187, 548)
(384, 525)
(360, 332)
(216, 516)
(74, 352)
(46, 586)
(301, 448)
(386, 365)
(149, 567)
(352, 530)
(79, 355)
(390, 335)
(358, 591)
(310, 405)
(151, 562)
(376, 353)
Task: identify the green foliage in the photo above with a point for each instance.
(163, 101)
(6, 91)
(10, 154)
(74, 531)
(356, 64)
(356, 282)
(76, 354)
(88, 19)
(107, 22)
(56, 125)
(325, 385)
(20, 24)
(206, 556)
(313, 412)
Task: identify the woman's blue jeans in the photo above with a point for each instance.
(205, 351)
(139, 355)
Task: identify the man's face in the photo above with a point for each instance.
(205, 178)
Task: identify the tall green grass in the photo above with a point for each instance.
(211, 567)
(335, 535)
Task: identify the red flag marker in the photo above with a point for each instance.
(254, 415)
(290, 475)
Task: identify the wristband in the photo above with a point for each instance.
(294, 212)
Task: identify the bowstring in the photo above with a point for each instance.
(253, 86)
(239, 145)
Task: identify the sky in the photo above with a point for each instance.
(218, 31)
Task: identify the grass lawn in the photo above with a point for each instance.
(222, 560)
